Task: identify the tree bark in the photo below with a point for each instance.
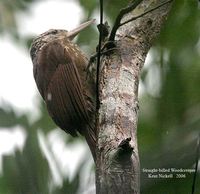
(117, 164)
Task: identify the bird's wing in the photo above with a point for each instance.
(65, 97)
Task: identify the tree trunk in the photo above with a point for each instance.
(117, 164)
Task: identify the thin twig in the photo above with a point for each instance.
(103, 52)
(99, 55)
(196, 164)
(143, 14)
(123, 11)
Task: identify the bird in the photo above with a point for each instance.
(61, 75)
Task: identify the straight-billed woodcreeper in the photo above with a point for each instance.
(59, 69)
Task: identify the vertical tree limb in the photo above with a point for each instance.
(99, 54)
(118, 169)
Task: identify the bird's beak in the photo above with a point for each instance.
(71, 34)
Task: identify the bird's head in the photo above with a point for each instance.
(53, 34)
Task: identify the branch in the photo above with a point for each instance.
(99, 55)
(143, 14)
(117, 166)
(120, 16)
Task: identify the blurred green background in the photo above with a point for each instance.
(169, 119)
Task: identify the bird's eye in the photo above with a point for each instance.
(54, 32)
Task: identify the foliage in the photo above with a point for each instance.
(168, 134)
(169, 106)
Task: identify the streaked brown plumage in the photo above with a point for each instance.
(60, 73)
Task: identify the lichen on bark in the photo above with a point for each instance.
(117, 164)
